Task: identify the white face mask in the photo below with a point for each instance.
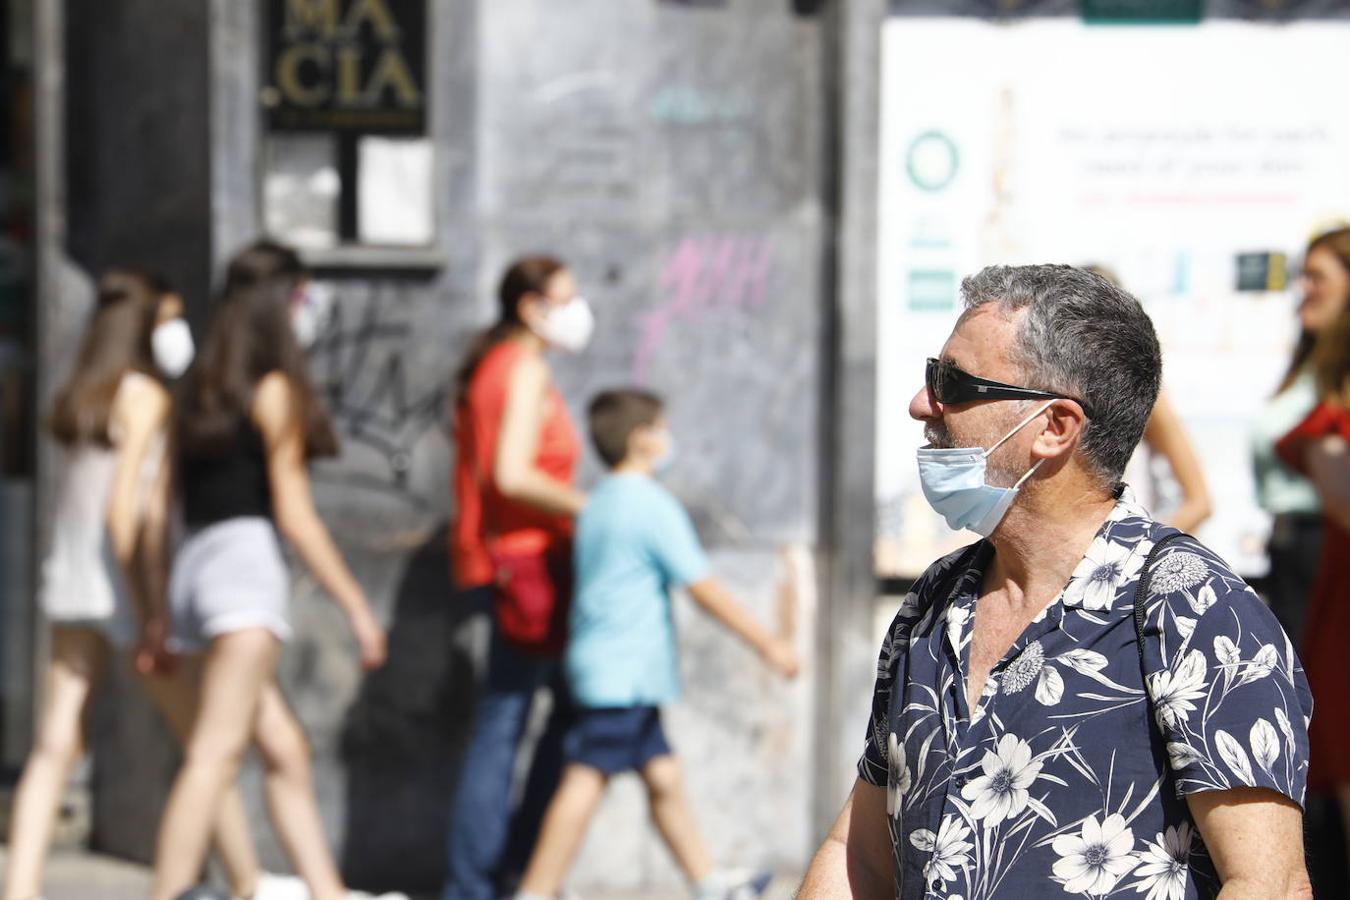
(568, 327)
(310, 313)
(171, 343)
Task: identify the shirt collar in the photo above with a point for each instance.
(957, 607)
(1107, 549)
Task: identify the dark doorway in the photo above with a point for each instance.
(17, 370)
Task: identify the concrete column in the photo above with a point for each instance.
(847, 648)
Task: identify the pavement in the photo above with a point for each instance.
(73, 875)
(78, 875)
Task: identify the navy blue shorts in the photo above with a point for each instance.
(615, 740)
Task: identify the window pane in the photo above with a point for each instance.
(394, 198)
(301, 188)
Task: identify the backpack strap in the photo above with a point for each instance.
(1141, 597)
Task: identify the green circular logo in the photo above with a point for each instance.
(932, 161)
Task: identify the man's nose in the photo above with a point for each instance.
(924, 406)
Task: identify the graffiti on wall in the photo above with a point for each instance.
(706, 275)
(359, 367)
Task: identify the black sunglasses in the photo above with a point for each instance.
(948, 383)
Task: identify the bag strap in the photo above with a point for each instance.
(1141, 597)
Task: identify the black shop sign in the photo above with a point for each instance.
(346, 65)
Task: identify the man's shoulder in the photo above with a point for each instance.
(1193, 595)
(1181, 565)
(1187, 571)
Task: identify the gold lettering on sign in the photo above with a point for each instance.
(391, 71)
(289, 74)
(303, 16)
(377, 13)
(343, 55)
(349, 76)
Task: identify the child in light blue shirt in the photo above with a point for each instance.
(634, 542)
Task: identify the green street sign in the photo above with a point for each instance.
(1143, 12)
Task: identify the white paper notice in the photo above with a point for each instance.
(1164, 154)
(394, 192)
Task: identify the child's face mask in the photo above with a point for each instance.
(664, 460)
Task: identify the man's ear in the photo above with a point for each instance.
(1063, 429)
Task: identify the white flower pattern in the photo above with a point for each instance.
(1164, 865)
(1098, 578)
(1051, 777)
(1179, 571)
(1024, 669)
(1001, 792)
(950, 850)
(899, 780)
(1175, 690)
(1092, 861)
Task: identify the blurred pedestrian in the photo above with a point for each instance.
(516, 452)
(110, 420)
(1318, 447)
(1295, 544)
(1085, 701)
(1165, 436)
(634, 543)
(246, 426)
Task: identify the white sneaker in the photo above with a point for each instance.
(362, 895)
(752, 887)
(733, 885)
(280, 887)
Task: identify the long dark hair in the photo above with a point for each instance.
(1338, 244)
(527, 275)
(1330, 355)
(250, 336)
(116, 341)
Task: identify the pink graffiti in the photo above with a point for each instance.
(705, 275)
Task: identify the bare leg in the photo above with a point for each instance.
(237, 667)
(78, 655)
(564, 826)
(176, 698)
(290, 795)
(670, 812)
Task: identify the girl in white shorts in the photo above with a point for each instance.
(247, 422)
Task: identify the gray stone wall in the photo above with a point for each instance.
(671, 155)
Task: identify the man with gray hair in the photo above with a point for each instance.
(1085, 701)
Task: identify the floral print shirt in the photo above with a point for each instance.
(1070, 776)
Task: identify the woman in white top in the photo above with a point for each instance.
(1295, 545)
(110, 420)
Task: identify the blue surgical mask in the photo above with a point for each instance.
(666, 461)
(954, 484)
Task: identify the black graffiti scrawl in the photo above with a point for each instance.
(358, 363)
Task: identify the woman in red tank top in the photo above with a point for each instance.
(516, 452)
(1317, 447)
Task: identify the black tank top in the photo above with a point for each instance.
(227, 484)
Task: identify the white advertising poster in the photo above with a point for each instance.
(1164, 154)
